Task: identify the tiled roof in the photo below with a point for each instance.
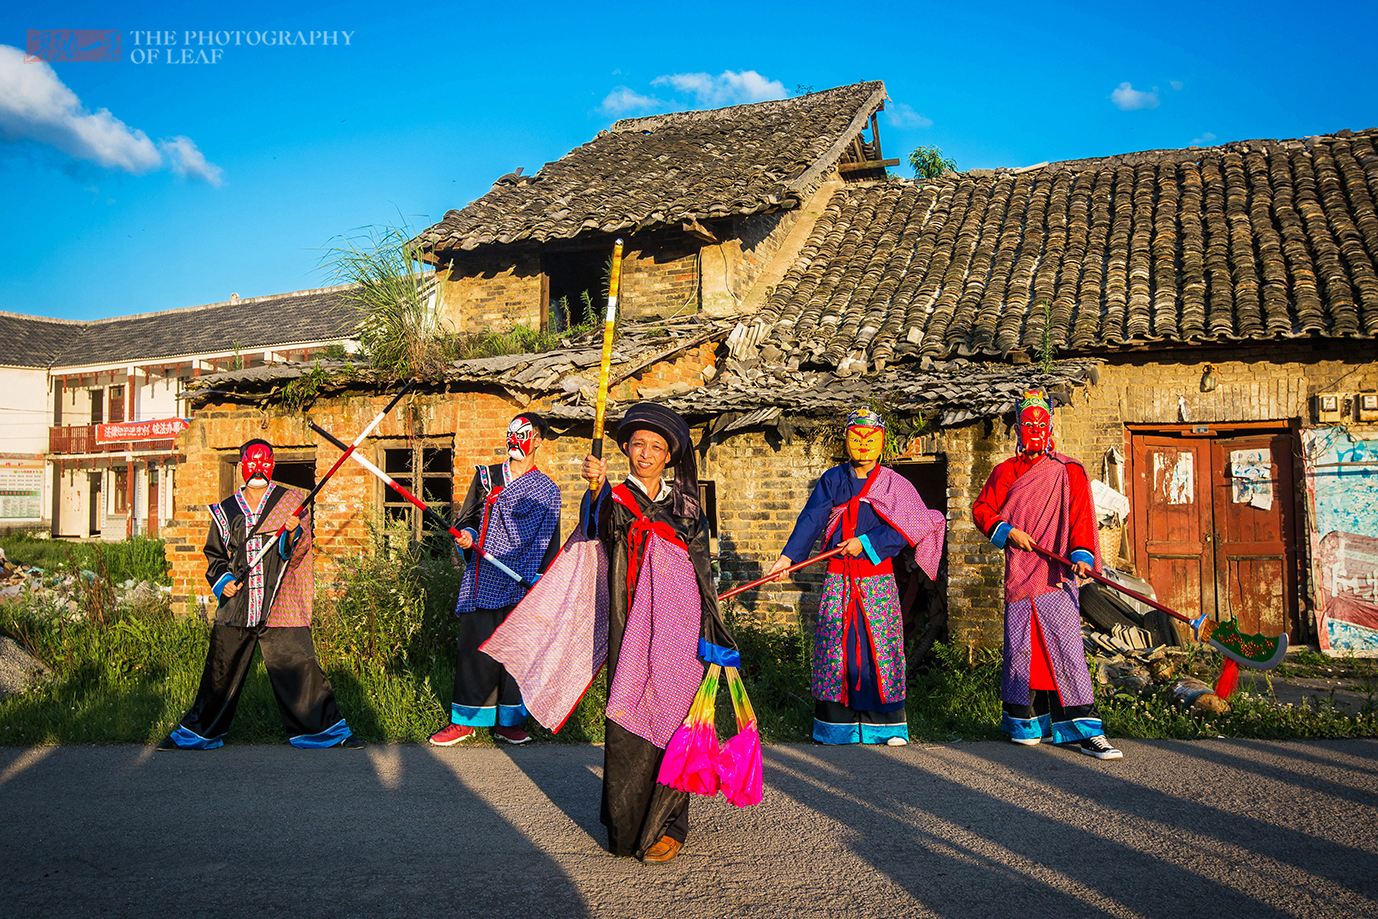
(32, 341)
(572, 370)
(944, 392)
(1248, 241)
(667, 169)
(279, 321)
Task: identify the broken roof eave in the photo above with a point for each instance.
(790, 200)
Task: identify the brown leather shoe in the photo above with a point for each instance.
(662, 851)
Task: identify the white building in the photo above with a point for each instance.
(89, 411)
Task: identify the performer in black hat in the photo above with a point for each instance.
(663, 622)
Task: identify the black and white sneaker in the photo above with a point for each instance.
(1100, 748)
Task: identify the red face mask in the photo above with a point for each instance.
(257, 460)
(1035, 429)
(519, 438)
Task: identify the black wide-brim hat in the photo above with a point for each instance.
(648, 416)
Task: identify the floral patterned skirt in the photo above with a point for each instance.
(858, 649)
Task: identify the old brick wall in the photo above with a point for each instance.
(664, 274)
(1255, 384)
(660, 277)
(761, 487)
(757, 238)
(473, 424)
(491, 290)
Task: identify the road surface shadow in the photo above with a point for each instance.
(572, 780)
(960, 849)
(255, 829)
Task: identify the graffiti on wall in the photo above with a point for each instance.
(1342, 491)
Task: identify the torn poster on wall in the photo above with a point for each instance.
(1342, 491)
(1251, 474)
(1173, 478)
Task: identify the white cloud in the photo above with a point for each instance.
(1206, 138)
(186, 159)
(731, 87)
(1176, 85)
(35, 105)
(624, 99)
(1129, 99)
(902, 115)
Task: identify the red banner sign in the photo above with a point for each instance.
(121, 432)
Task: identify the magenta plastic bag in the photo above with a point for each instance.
(692, 757)
(739, 768)
(739, 760)
(700, 774)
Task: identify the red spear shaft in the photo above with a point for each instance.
(779, 574)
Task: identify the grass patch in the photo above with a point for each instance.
(126, 675)
(139, 558)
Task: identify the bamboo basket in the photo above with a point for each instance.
(1111, 538)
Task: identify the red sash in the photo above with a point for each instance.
(637, 536)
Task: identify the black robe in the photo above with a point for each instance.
(636, 809)
(227, 555)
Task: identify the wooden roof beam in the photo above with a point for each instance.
(865, 165)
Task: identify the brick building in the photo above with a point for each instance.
(1202, 316)
(91, 409)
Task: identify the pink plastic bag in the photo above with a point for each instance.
(692, 757)
(739, 767)
(739, 760)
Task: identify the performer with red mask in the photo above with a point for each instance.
(268, 606)
(512, 512)
(874, 513)
(1040, 496)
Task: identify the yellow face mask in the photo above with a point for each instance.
(865, 443)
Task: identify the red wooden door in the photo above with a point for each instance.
(1255, 555)
(152, 501)
(1171, 508)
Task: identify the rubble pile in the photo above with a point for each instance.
(1142, 672)
(64, 591)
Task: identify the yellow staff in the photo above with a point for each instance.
(605, 371)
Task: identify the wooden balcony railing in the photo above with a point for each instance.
(81, 438)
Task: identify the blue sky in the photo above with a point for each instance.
(234, 176)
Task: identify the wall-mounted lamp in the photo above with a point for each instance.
(1208, 379)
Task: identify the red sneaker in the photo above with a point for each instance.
(452, 734)
(511, 735)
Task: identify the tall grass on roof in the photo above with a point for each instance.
(399, 333)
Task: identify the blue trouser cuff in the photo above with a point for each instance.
(1077, 730)
(511, 716)
(474, 716)
(1027, 728)
(190, 740)
(337, 733)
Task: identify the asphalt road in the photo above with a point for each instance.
(1217, 828)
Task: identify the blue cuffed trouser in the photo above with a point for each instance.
(835, 723)
(485, 694)
(306, 701)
